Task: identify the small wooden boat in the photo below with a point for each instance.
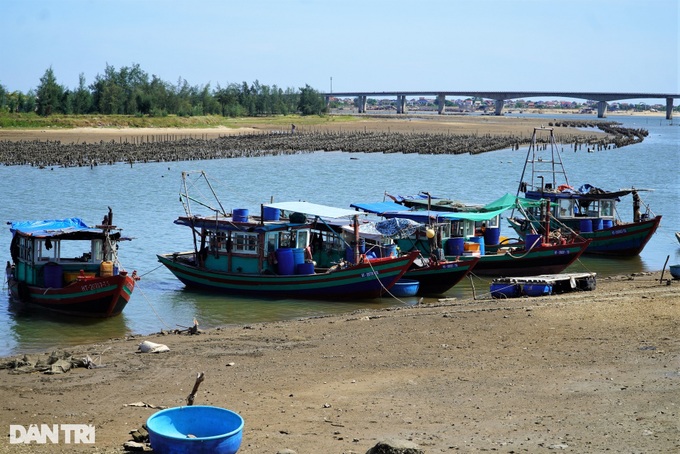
(588, 211)
(271, 255)
(66, 266)
(677, 236)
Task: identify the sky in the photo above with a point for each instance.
(350, 45)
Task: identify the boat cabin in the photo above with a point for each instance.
(57, 252)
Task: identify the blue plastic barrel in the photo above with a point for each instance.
(455, 246)
(284, 256)
(585, 226)
(298, 257)
(240, 215)
(597, 224)
(533, 240)
(492, 235)
(607, 223)
(480, 240)
(53, 275)
(388, 250)
(504, 290)
(270, 214)
(537, 289)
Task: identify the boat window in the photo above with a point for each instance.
(566, 208)
(46, 250)
(594, 209)
(75, 251)
(245, 243)
(98, 251)
(607, 208)
(302, 238)
(272, 240)
(285, 240)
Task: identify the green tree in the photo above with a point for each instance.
(311, 102)
(49, 94)
(81, 101)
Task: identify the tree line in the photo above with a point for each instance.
(130, 91)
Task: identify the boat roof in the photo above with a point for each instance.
(481, 213)
(313, 209)
(69, 228)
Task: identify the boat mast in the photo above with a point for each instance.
(542, 165)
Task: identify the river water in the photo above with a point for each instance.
(145, 201)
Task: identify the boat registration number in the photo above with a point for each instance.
(369, 274)
(93, 286)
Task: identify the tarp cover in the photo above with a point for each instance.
(493, 209)
(51, 227)
(313, 209)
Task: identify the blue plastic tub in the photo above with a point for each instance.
(533, 241)
(305, 268)
(675, 271)
(405, 287)
(197, 429)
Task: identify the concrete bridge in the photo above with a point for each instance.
(501, 96)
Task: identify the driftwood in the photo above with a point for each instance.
(199, 379)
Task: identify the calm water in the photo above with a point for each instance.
(145, 201)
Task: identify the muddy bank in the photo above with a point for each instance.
(177, 147)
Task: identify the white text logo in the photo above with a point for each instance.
(55, 433)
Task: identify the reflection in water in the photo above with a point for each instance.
(33, 329)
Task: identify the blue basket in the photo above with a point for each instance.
(195, 429)
(405, 287)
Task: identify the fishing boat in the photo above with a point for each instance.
(270, 255)
(434, 273)
(66, 266)
(468, 231)
(588, 211)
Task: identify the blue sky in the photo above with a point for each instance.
(369, 45)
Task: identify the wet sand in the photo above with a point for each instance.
(582, 372)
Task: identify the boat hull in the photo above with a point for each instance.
(438, 278)
(621, 240)
(99, 297)
(551, 259)
(370, 279)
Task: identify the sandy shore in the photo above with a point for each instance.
(581, 372)
(447, 124)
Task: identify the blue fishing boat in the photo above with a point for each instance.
(434, 273)
(459, 232)
(66, 266)
(271, 254)
(587, 211)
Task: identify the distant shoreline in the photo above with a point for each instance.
(385, 122)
